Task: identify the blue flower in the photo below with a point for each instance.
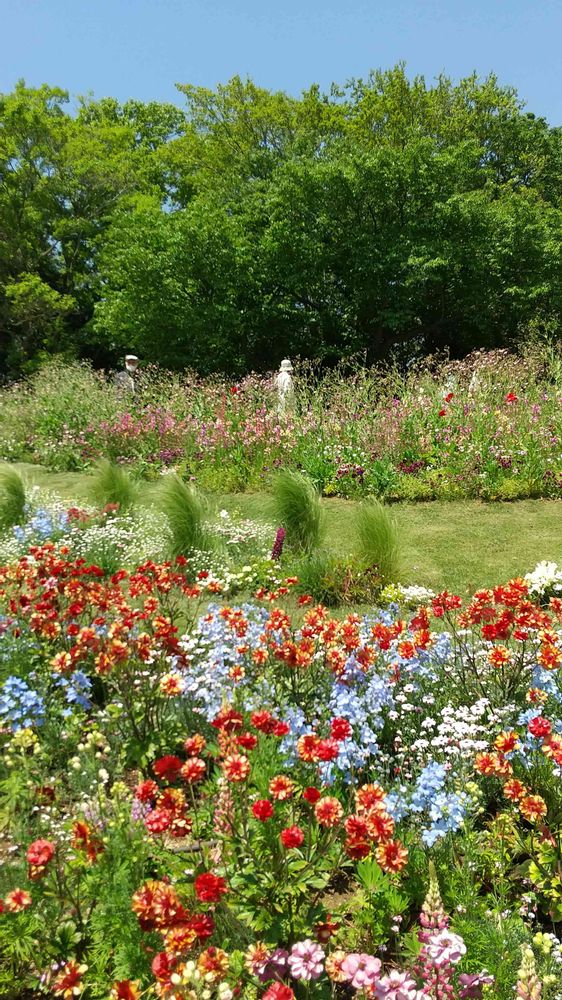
(20, 706)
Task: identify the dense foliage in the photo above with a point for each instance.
(385, 215)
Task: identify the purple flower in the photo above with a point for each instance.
(278, 544)
(306, 960)
(471, 986)
(275, 967)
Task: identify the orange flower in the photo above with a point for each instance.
(125, 989)
(171, 684)
(514, 790)
(236, 767)
(368, 796)
(213, 964)
(392, 857)
(193, 769)
(499, 656)
(506, 742)
(533, 808)
(380, 825)
(307, 747)
(17, 900)
(194, 745)
(179, 939)
(328, 811)
(281, 788)
(333, 966)
(68, 983)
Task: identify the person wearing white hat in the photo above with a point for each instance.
(124, 380)
(285, 388)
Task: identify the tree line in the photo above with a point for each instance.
(387, 216)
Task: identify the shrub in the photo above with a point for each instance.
(12, 498)
(299, 510)
(332, 580)
(185, 511)
(378, 540)
(112, 484)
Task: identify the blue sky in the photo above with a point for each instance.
(141, 48)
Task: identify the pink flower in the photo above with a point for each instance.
(445, 947)
(398, 986)
(306, 960)
(361, 970)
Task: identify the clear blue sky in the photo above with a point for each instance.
(141, 48)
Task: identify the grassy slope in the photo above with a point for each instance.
(458, 546)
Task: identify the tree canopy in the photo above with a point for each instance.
(387, 215)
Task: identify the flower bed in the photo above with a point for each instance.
(201, 799)
(488, 427)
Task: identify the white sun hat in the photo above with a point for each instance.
(286, 366)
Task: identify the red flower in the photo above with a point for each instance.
(125, 989)
(209, 888)
(442, 413)
(228, 719)
(167, 767)
(281, 729)
(158, 820)
(278, 991)
(340, 729)
(146, 791)
(311, 795)
(539, 727)
(263, 721)
(448, 397)
(328, 749)
(162, 967)
(262, 810)
(234, 390)
(203, 925)
(511, 398)
(248, 741)
(40, 852)
(291, 836)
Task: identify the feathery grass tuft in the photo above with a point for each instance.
(299, 510)
(111, 484)
(12, 498)
(379, 543)
(185, 511)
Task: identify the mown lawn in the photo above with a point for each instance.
(456, 545)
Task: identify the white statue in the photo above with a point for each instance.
(125, 381)
(285, 388)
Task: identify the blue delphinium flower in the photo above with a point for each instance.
(445, 809)
(76, 688)
(20, 706)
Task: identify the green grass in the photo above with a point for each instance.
(457, 546)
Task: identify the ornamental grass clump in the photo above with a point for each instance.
(12, 498)
(112, 486)
(299, 510)
(184, 509)
(379, 543)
